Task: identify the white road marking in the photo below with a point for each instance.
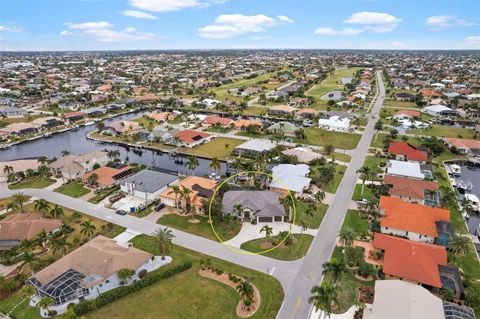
(271, 271)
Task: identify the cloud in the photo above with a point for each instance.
(103, 32)
(5, 28)
(331, 31)
(164, 5)
(232, 25)
(441, 22)
(374, 21)
(285, 19)
(473, 39)
(139, 14)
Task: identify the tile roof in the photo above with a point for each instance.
(411, 217)
(411, 260)
(409, 187)
(106, 175)
(26, 226)
(408, 150)
(190, 136)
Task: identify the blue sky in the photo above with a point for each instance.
(204, 24)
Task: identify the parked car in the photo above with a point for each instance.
(307, 123)
(121, 212)
(159, 207)
(363, 201)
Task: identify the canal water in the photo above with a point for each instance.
(76, 142)
(471, 173)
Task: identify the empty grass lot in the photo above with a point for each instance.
(354, 220)
(320, 137)
(73, 189)
(445, 131)
(34, 183)
(225, 230)
(299, 248)
(214, 148)
(188, 295)
(311, 221)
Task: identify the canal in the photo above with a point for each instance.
(76, 142)
(471, 173)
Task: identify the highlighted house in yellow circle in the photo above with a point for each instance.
(226, 181)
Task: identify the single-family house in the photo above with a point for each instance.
(414, 221)
(191, 138)
(253, 148)
(73, 116)
(18, 167)
(438, 110)
(405, 169)
(74, 166)
(303, 154)
(413, 190)
(290, 178)
(406, 151)
(108, 176)
(244, 123)
(160, 116)
(283, 128)
(335, 123)
(12, 111)
(47, 122)
(147, 184)
(20, 128)
(123, 127)
(405, 114)
(262, 206)
(212, 120)
(282, 110)
(464, 146)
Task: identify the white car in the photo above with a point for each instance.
(363, 201)
(307, 123)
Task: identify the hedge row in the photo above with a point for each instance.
(105, 298)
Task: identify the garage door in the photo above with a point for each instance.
(264, 219)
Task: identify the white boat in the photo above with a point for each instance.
(455, 169)
(473, 201)
(89, 123)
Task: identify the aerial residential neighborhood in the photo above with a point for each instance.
(239, 159)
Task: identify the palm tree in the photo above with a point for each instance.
(7, 169)
(365, 174)
(289, 201)
(27, 245)
(336, 268)
(310, 211)
(192, 163)
(238, 209)
(56, 212)
(12, 207)
(20, 199)
(215, 164)
(28, 259)
(267, 230)
(124, 274)
(42, 206)
(177, 191)
(46, 303)
(65, 153)
(347, 236)
(303, 225)
(92, 179)
(163, 241)
(60, 245)
(185, 195)
(42, 238)
(323, 297)
(87, 228)
(245, 289)
(459, 245)
(319, 196)
(113, 155)
(378, 128)
(42, 160)
(26, 292)
(43, 171)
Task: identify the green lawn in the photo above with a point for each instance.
(73, 189)
(445, 131)
(400, 104)
(354, 220)
(255, 111)
(379, 140)
(24, 311)
(321, 137)
(144, 212)
(225, 230)
(34, 183)
(146, 123)
(103, 194)
(291, 252)
(333, 185)
(214, 148)
(377, 164)
(219, 129)
(331, 82)
(315, 220)
(342, 157)
(188, 295)
(367, 193)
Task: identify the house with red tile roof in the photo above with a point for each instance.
(108, 176)
(416, 222)
(412, 190)
(410, 260)
(244, 123)
(212, 120)
(464, 146)
(73, 116)
(406, 114)
(406, 151)
(191, 138)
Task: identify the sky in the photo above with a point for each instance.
(52, 25)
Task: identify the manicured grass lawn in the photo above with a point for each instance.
(354, 220)
(377, 164)
(214, 148)
(146, 123)
(255, 110)
(445, 131)
(292, 252)
(225, 230)
(331, 83)
(73, 189)
(367, 193)
(34, 183)
(102, 195)
(333, 185)
(342, 157)
(218, 129)
(315, 220)
(23, 311)
(188, 295)
(400, 104)
(320, 137)
(348, 287)
(378, 142)
(6, 121)
(144, 212)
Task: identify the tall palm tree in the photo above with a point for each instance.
(28, 259)
(186, 196)
(335, 268)
(310, 211)
(42, 238)
(289, 201)
(12, 207)
(215, 164)
(238, 209)
(323, 297)
(20, 199)
(192, 163)
(267, 230)
(87, 228)
(43, 171)
(347, 236)
(162, 239)
(365, 173)
(459, 245)
(176, 191)
(92, 179)
(42, 160)
(60, 244)
(46, 303)
(7, 169)
(56, 212)
(42, 206)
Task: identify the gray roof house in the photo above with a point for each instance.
(147, 184)
(252, 148)
(12, 111)
(264, 206)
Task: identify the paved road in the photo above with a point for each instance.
(284, 271)
(310, 273)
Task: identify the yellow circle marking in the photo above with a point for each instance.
(294, 209)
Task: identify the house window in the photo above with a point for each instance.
(101, 285)
(108, 281)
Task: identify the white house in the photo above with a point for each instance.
(335, 123)
(438, 110)
(406, 169)
(290, 177)
(89, 271)
(74, 166)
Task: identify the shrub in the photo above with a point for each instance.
(86, 306)
(219, 271)
(247, 302)
(142, 273)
